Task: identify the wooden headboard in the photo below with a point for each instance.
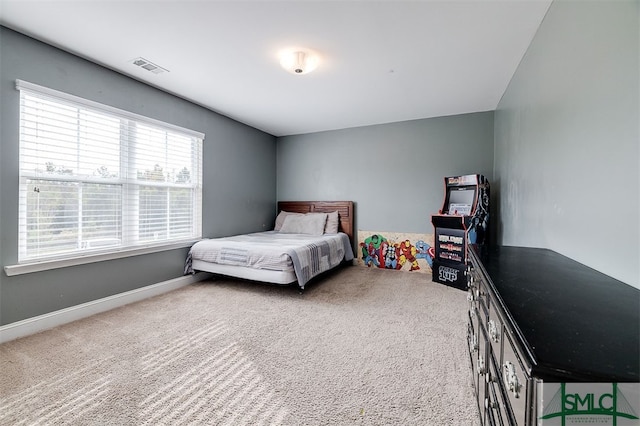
(344, 209)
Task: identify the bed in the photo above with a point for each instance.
(301, 246)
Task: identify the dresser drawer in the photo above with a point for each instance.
(472, 296)
(495, 328)
(481, 369)
(472, 332)
(483, 291)
(477, 283)
(498, 401)
(494, 410)
(514, 380)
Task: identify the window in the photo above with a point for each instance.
(97, 179)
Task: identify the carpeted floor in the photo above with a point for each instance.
(361, 346)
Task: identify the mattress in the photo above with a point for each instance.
(272, 251)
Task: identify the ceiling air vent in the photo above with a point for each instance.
(148, 65)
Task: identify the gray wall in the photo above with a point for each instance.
(239, 190)
(394, 172)
(565, 177)
(566, 148)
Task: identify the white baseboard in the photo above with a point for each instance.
(63, 316)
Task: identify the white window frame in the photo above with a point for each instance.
(130, 245)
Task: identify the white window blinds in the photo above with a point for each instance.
(97, 179)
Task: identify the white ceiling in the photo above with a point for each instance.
(381, 61)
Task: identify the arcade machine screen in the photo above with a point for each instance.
(461, 201)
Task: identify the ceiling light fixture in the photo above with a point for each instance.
(299, 61)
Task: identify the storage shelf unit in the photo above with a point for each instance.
(538, 319)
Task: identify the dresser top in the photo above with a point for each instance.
(577, 322)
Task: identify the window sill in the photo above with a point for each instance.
(27, 268)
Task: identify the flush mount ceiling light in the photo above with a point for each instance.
(299, 61)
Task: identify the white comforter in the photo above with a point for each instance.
(309, 255)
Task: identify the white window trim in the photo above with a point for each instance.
(46, 265)
(25, 85)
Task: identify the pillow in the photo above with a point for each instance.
(310, 223)
(332, 224)
(280, 219)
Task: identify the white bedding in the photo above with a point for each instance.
(277, 254)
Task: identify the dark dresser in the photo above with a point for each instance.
(551, 341)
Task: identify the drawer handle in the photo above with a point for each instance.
(490, 404)
(481, 368)
(472, 302)
(493, 331)
(511, 379)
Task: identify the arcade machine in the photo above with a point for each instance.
(463, 220)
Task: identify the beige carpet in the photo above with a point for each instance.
(361, 346)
